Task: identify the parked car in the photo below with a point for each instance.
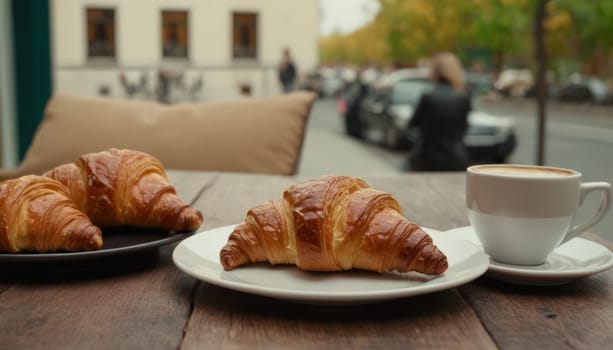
(331, 86)
(349, 103)
(311, 81)
(323, 84)
(385, 112)
(514, 82)
(590, 90)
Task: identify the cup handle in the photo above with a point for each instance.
(605, 203)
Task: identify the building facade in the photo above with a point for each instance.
(179, 50)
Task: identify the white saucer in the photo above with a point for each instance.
(574, 259)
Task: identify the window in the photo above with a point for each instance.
(244, 35)
(100, 32)
(174, 34)
(410, 91)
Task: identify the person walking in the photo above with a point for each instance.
(287, 71)
(441, 117)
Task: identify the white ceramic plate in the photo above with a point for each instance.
(198, 256)
(574, 259)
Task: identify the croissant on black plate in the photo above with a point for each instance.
(333, 223)
(121, 187)
(37, 214)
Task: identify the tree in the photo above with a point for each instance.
(590, 39)
(406, 30)
(361, 46)
(501, 27)
(418, 28)
(541, 57)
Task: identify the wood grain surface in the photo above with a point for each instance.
(576, 315)
(143, 301)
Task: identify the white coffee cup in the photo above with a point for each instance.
(521, 213)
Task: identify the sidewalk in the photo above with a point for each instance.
(327, 150)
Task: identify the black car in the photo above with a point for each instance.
(589, 90)
(382, 114)
(349, 104)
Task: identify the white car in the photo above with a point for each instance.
(514, 82)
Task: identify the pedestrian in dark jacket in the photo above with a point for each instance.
(441, 116)
(287, 71)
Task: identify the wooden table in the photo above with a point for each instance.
(143, 301)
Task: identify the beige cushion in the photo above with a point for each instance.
(258, 135)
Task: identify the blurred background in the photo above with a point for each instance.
(368, 61)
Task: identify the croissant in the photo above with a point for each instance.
(126, 188)
(37, 214)
(333, 223)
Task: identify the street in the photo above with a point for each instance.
(578, 137)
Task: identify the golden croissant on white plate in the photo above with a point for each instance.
(121, 187)
(333, 223)
(37, 214)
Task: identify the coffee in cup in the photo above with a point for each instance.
(521, 213)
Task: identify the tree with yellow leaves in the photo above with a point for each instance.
(406, 30)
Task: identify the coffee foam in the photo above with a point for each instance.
(523, 171)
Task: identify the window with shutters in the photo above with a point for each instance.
(100, 32)
(175, 37)
(244, 35)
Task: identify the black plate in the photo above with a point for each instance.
(116, 242)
